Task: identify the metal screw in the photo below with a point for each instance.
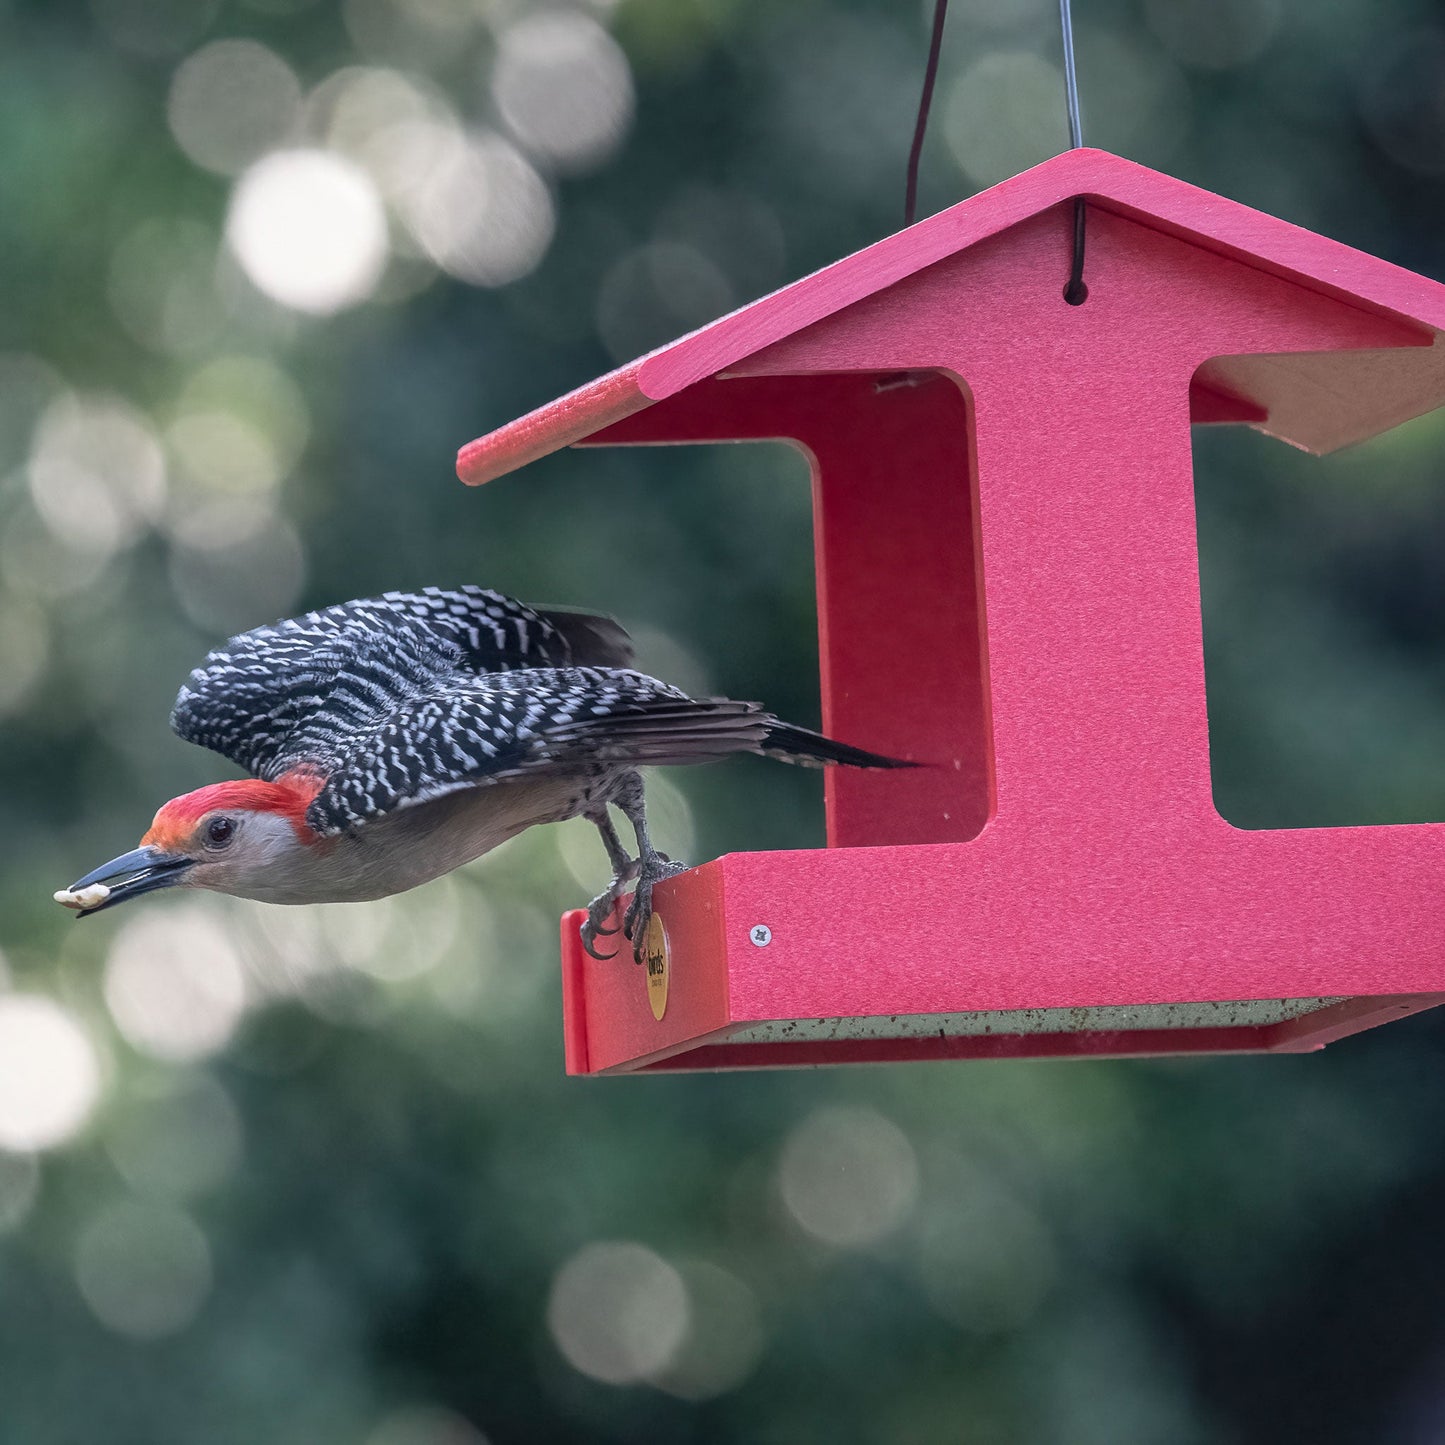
(761, 935)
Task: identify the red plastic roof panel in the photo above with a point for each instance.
(1317, 402)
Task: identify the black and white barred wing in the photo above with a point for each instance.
(477, 731)
(496, 632)
(307, 708)
(268, 699)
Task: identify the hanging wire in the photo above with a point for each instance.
(1075, 292)
(910, 199)
(1071, 79)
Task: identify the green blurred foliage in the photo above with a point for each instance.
(327, 1182)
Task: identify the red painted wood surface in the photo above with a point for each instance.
(966, 424)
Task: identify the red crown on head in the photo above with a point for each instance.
(289, 797)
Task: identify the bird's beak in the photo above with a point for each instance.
(142, 870)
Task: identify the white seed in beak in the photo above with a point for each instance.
(91, 897)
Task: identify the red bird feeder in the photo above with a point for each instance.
(1008, 588)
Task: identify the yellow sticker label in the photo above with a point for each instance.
(655, 960)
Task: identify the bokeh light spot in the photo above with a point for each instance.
(654, 293)
(144, 1269)
(425, 1425)
(1214, 34)
(49, 1074)
(393, 940)
(259, 392)
(355, 109)
(422, 33)
(1138, 96)
(848, 1176)
(97, 473)
(450, 19)
(618, 1312)
(234, 561)
(1004, 114)
(24, 650)
(724, 1338)
(175, 1139)
(985, 1258)
(34, 562)
(309, 230)
(223, 452)
(481, 212)
(162, 286)
(232, 101)
(174, 984)
(564, 87)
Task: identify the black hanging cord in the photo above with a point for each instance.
(1075, 293)
(910, 200)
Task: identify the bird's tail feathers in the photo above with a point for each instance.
(801, 745)
(676, 730)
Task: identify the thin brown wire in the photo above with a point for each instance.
(930, 74)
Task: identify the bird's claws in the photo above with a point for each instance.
(639, 938)
(599, 914)
(634, 922)
(638, 915)
(638, 918)
(587, 943)
(590, 932)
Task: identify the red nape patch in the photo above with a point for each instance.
(290, 796)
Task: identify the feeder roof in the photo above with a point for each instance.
(1305, 400)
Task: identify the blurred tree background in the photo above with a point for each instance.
(316, 1176)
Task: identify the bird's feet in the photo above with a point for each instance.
(654, 868)
(600, 909)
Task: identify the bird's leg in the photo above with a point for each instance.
(624, 869)
(652, 866)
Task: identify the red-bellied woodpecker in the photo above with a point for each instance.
(393, 739)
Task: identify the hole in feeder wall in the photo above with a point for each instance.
(1324, 627)
(903, 649)
(896, 558)
(723, 603)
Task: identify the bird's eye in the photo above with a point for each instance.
(219, 832)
